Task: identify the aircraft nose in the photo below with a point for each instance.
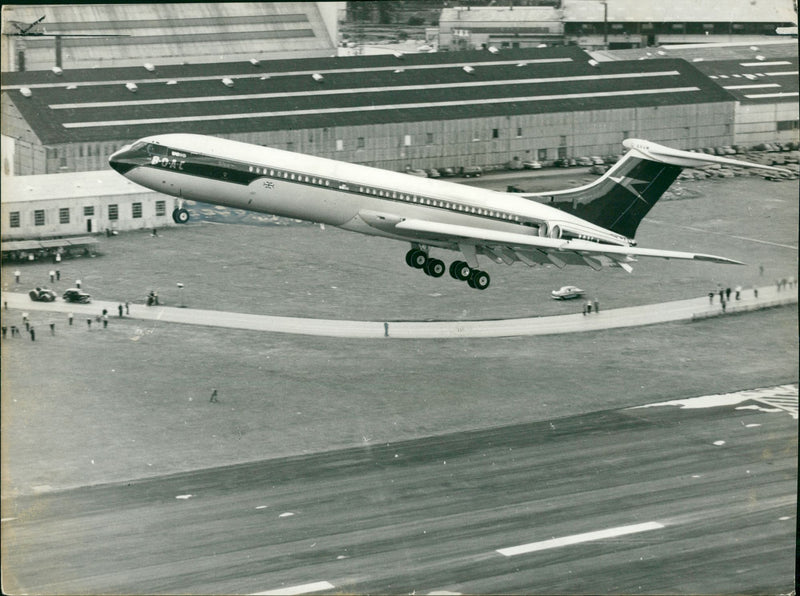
(121, 160)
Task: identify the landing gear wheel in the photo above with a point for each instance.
(459, 270)
(416, 258)
(479, 280)
(434, 267)
(180, 216)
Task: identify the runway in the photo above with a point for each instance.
(649, 314)
(699, 498)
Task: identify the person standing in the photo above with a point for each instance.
(127, 307)
(711, 297)
(119, 308)
(213, 399)
(105, 319)
(16, 275)
(69, 318)
(33, 333)
(52, 328)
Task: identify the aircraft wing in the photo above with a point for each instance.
(511, 246)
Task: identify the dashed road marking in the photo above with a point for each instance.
(578, 538)
(301, 589)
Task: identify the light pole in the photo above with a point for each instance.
(180, 291)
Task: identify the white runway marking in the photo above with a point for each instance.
(578, 538)
(783, 398)
(302, 589)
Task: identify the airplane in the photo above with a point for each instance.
(592, 225)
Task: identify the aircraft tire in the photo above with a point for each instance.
(418, 258)
(479, 280)
(434, 267)
(460, 270)
(180, 216)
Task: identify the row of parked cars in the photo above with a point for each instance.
(71, 295)
(599, 163)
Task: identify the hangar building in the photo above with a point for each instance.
(124, 34)
(417, 110)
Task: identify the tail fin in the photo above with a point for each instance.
(623, 196)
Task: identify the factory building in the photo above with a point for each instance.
(394, 112)
(614, 24)
(73, 36)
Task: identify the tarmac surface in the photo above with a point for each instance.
(689, 500)
(679, 310)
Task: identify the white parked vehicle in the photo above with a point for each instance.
(566, 293)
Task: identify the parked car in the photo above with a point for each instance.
(567, 293)
(597, 160)
(599, 170)
(42, 295)
(447, 172)
(417, 172)
(432, 173)
(531, 164)
(584, 161)
(514, 164)
(514, 188)
(77, 295)
(565, 163)
(470, 171)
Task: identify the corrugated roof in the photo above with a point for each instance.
(361, 90)
(752, 73)
(681, 11)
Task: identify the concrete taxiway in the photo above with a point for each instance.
(650, 314)
(699, 498)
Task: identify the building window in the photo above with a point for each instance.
(38, 217)
(88, 211)
(339, 145)
(63, 215)
(161, 208)
(136, 210)
(360, 143)
(542, 154)
(113, 212)
(407, 140)
(51, 153)
(290, 146)
(13, 219)
(788, 125)
(429, 138)
(519, 131)
(495, 133)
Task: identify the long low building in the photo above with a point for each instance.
(68, 205)
(394, 112)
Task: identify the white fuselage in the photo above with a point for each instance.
(336, 193)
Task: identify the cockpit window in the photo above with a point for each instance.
(153, 149)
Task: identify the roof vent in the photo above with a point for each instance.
(254, 61)
(172, 82)
(594, 63)
(754, 48)
(399, 70)
(542, 45)
(317, 77)
(493, 50)
(399, 55)
(71, 87)
(521, 64)
(132, 87)
(264, 77)
(661, 53)
(227, 82)
(25, 91)
(57, 71)
(697, 59)
(759, 57)
(469, 70)
(149, 67)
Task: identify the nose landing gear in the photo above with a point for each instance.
(459, 270)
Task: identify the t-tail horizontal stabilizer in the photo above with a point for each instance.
(687, 159)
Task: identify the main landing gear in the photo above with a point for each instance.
(459, 270)
(180, 215)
